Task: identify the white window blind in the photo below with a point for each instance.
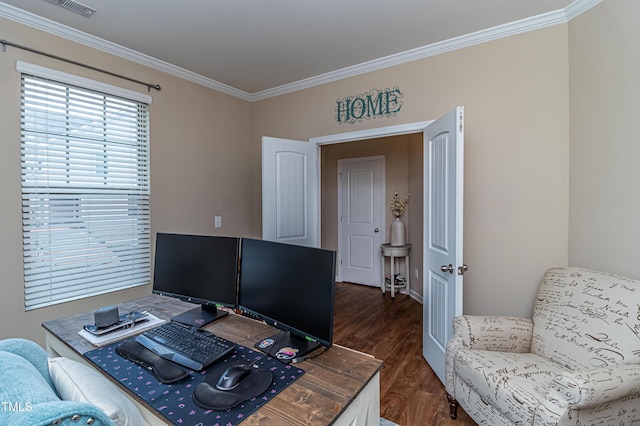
(85, 192)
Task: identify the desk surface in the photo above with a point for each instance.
(331, 381)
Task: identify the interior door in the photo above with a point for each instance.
(290, 192)
(444, 269)
(361, 219)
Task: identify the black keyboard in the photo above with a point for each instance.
(186, 345)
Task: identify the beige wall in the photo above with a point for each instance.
(605, 138)
(198, 168)
(403, 174)
(520, 217)
(516, 97)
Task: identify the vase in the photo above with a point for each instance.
(398, 233)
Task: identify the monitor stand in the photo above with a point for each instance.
(201, 316)
(286, 346)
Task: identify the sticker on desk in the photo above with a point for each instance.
(286, 353)
(266, 343)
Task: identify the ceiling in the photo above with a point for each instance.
(253, 47)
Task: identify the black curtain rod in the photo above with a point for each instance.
(6, 43)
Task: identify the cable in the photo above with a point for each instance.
(138, 313)
(305, 358)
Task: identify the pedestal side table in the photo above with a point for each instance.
(393, 252)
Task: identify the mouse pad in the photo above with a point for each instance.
(206, 395)
(175, 401)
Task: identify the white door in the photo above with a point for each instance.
(360, 219)
(290, 192)
(444, 269)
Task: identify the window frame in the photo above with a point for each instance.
(85, 187)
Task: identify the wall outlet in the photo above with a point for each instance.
(217, 221)
(417, 273)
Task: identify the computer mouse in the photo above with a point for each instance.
(232, 376)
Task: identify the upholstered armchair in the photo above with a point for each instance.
(36, 390)
(576, 362)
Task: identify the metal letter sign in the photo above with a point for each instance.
(373, 104)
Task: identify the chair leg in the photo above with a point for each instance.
(453, 406)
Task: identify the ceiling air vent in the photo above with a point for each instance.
(74, 6)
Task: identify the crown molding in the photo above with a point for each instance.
(580, 6)
(51, 27)
(529, 24)
(518, 27)
(501, 31)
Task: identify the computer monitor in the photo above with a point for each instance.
(292, 288)
(198, 269)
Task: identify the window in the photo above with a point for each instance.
(85, 189)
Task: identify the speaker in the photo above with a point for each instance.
(106, 316)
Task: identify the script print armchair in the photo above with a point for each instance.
(576, 362)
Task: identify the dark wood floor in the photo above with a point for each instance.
(391, 330)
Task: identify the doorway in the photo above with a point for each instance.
(403, 173)
(443, 148)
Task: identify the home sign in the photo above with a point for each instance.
(375, 103)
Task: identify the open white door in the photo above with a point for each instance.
(290, 192)
(444, 269)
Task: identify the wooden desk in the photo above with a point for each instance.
(339, 387)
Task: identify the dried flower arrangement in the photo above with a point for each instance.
(398, 204)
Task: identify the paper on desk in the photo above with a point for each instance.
(108, 338)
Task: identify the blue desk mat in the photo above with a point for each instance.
(175, 401)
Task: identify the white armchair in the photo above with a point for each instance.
(577, 362)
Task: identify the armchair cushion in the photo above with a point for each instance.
(592, 387)
(513, 383)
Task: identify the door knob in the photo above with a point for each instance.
(376, 230)
(462, 269)
(445, 268)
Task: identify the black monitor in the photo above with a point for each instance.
(292, 288)
(198, 269)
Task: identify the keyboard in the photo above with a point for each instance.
(186, 345)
